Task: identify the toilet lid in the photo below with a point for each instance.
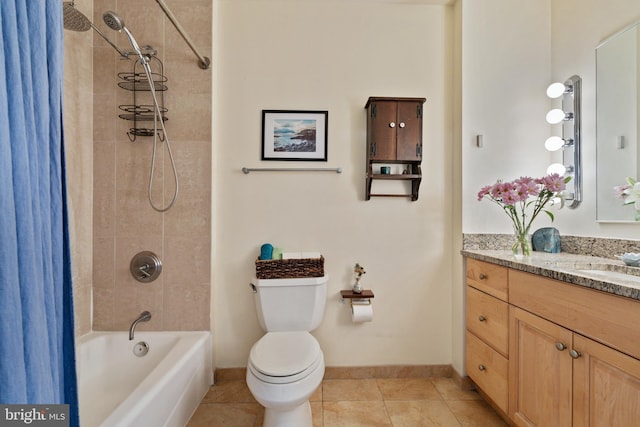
(283, 354)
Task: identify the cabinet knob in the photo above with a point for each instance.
(402, 124)
(482, 318)
(482, 276)
(482, 368)
(392, 124)
(560, 346)
(574, 353)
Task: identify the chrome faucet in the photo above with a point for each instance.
(145, 316)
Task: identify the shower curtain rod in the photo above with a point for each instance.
(203, 61)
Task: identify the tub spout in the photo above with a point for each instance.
(145, 316)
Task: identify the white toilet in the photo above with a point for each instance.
(286, 365)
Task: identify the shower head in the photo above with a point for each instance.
(75, 20)
(116, 23)
(113, 21)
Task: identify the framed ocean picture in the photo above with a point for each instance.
(294, 135)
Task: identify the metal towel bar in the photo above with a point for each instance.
(247, 170)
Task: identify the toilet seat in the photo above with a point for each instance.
(284, 357)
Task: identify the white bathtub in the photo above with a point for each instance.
(162, 388)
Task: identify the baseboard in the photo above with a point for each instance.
(359, 372)
(464, 382)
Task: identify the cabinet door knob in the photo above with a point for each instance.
(482, 318)
(392, 124)
(574, 353)
(402, 124)
(482, 276)
(560, 346)
(481, 368)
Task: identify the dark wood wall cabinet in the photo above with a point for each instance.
(394, 136)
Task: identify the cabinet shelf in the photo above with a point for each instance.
(396, 176)
(415, 177)
(389, 195)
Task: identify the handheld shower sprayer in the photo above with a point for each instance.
(115, 22)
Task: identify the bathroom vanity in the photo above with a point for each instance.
(554, 340)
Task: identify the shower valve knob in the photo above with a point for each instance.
(145, 266)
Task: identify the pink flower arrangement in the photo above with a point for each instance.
(513, 198)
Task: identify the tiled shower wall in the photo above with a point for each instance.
(123, 221)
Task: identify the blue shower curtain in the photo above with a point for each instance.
(37, 362)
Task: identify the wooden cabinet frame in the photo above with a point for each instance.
(394, 136)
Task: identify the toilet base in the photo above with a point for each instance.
(300, 416)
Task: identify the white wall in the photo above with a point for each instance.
(507, 53)
(332, 56)
(531, 44)
(505, 72)
(503, 64)
(578, 26)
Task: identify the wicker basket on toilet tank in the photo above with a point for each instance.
(289, 268)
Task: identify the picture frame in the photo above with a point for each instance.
(294, 135)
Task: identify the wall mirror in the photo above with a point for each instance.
(617, 120)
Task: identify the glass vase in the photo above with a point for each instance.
(522, 245)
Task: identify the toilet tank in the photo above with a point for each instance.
(290, 304)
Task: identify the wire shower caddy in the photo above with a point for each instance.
(142, 111)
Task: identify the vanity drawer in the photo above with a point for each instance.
(488, 319)
(610, 319)
(487, 277)
(488, 369)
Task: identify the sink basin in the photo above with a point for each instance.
(615, 275)
(605, 271)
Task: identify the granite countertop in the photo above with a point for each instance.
(602, 274)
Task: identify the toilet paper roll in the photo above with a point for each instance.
(361, 313)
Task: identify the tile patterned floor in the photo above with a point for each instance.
(396, 402)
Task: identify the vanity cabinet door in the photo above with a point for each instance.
(540, 376)
(606, 386)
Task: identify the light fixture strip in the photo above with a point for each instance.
(571, 130)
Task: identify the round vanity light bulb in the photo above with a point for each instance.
(554, 143)
(555, 116)
(556, 168)
(555, 90)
